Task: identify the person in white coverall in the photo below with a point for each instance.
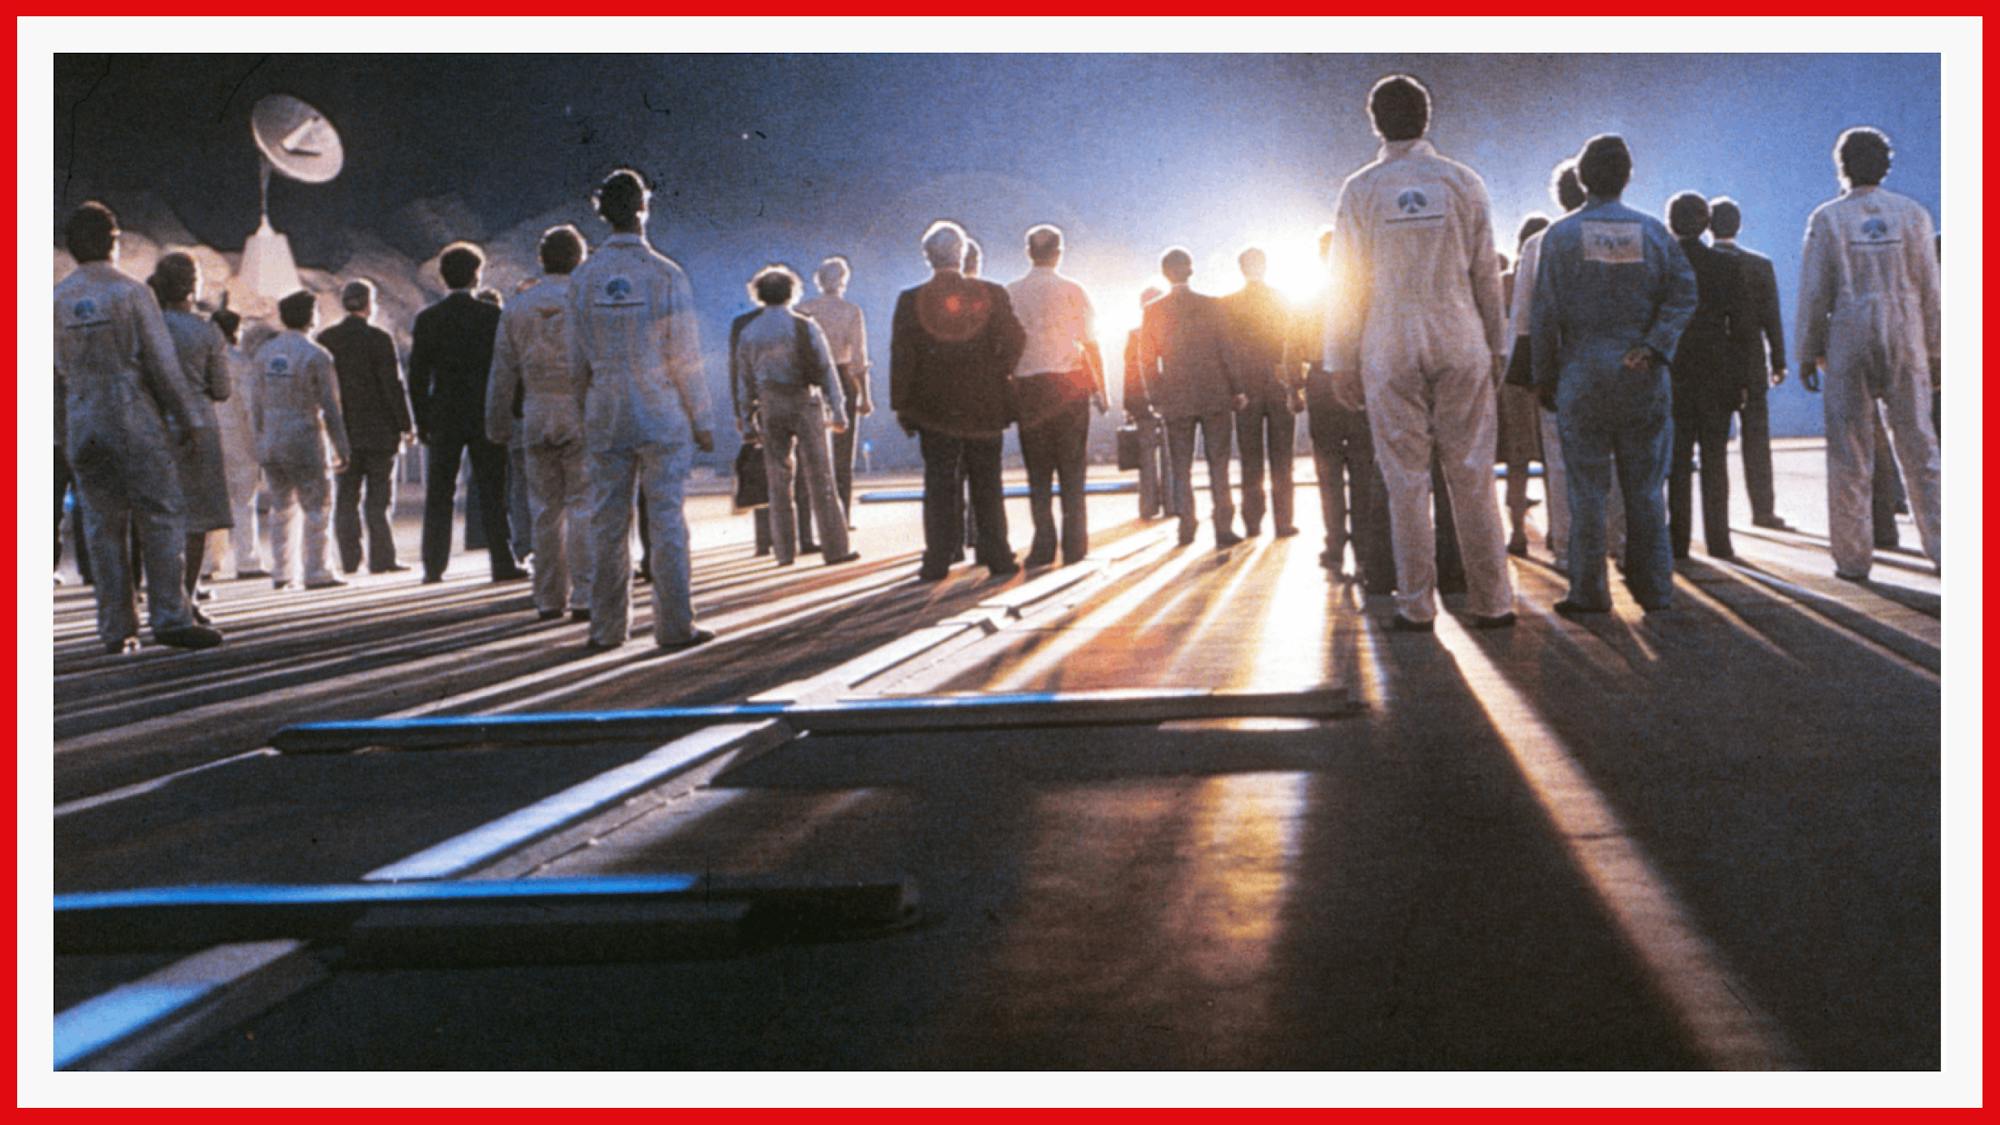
(239, 450)
(1417, 317)
(638, 354)
(532, 356)
(1868, 317)
(122, 406)
(296, 409)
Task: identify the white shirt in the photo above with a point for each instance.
(846, 329)
(1524, 284)
(1056, 314)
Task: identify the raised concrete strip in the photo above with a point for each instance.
(149, 1020)
(861, 715)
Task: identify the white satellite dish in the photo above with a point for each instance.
(298, 142)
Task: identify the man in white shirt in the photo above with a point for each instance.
(847, 337)
(1056, 381)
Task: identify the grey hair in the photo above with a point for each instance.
(944, 245)
(833, 274)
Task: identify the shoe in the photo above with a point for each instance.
(932, 574)
(1500, 621)
(1004, 569)
(809, 548)
(1329, 560)
(189, 636)
(121, 646)
(699, 637)
(1518, 545)
(254, 572)
(1402, 624)
(846, 558)
(1037, 559)
(548, 614)
(1774, 523)
(579, 615)
(329, 582)
(1227, 539)
(281, 584)
(1253, 530)
(59, 579)
(200, 618)
(392, 568)
(1656, 607)
(1568, 608)
(1887, 544)
(513, 574)
(1187, 538)
(1285, 532)
(203, 593)
(1845, 577)
(595, 645)
(432, 579)
(1724, 556)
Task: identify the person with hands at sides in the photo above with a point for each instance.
(296, 409)
(1192, 376)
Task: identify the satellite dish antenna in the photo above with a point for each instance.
(297, 141)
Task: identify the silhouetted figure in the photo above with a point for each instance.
(377, 411)
(1057, 380)
(1708, 379)
(1268, 424)
(1760, 347)
(1191, 377)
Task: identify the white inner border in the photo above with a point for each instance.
(1957, 40)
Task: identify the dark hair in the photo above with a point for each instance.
(460, 265)
(174, 279)
(1604, 166)
(1565, 188)
(1687, 215)
(774, 285)
(357, 295)
(622, 197)
(1864, 155)
(1045, 244)
(561, 249)
(296, 310)
(228, 321)
(1400, 107)
(1177, 264)
(1530, 227)
(91, 232)
(1724, 217)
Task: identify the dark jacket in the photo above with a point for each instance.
(1705, 363)
(1763, 325)
(1259, 320)
(953, 343)
(451, 353)
(372, 399)
(1185, 355)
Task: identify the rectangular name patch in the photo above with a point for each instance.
(1418, 203)
(1617, 244)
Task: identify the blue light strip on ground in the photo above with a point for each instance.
(99, 1022)
(370, 894)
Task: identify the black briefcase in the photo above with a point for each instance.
(753, 488)
(1128, 447)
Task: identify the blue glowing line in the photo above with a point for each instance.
(100, 1021)
(370, 894)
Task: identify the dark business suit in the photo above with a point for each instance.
(451, 353)
(953, 343)
(377, 412)
(1763, 328)
(1191, 376)
(1260, 320)
(1708, 388)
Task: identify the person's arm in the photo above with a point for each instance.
(1010, 339)
(1675, 308)
(684, 358)
(329, 405)
(387, 369)
(902, 357)
(1544, 329)
(422, 376)
(1771, 318)
(742, 380)
(579, 349)
(829, 376)
(1922, 252)
(160, 364)
(1484, 274)
(501, 380)
(1348, 299)
(866, 405)
(1093, 355)
(215, 366)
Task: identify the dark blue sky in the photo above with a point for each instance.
(793, 157)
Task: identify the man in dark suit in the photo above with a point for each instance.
(377, 412)
(451, 353)
(1261, 320)
(1763, 328)
(1192, 379)
(952, 345)
(1708, 382)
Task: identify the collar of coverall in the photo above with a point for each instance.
(1422, 146)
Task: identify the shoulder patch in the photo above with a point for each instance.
(616, 290)
(1418, 203)
(1874, 232)
(86, 312)
(1618, 244)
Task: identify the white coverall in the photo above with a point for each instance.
(121, 403)
(1868, 303)
(239, 461)
(1555, 476)
(638, 354)
(532, 352)
(1418, 312)
(296, 409)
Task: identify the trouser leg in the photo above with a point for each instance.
(577, 502)
(347, 510)
(1180, 459)
(1587, 457)
(1850, 467)
(1368, 510)
(982, 476)
(1757, 454)
(666, 468)
(1886, 488)
(944, 523)
(1916, 448)
(106, 523)
(1643, 450)
(1071, 456)
(489, 465)
(1450, 562)
(613, 476)
(1555, 486)
(62, 487)
(1714, 436)
(284, 518)
(802, 504)
(547, 486)
(1038, 455)
(843, 463)
(1217, 432)
(1249, 427)
(520, 519)
(381, 496)
(1467, 431)
(816, 472)
(778, 468)
(1680, 481)
(1283, 445)
(315, 492)
(1400, 423)
(442, 458)
(760, 527)
(1330, 469)
(1152, 481)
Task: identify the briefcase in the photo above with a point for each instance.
(753, 489)
(1129, 452)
